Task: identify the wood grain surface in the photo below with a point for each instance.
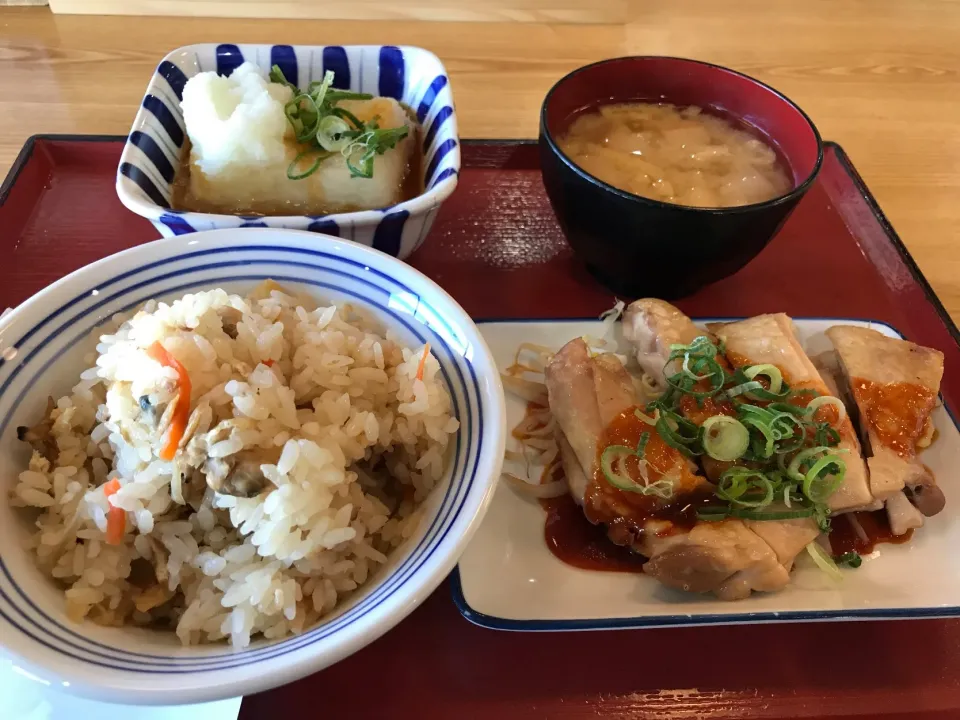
(525, 11)
(882, 77)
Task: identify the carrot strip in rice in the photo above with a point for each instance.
(116, 517)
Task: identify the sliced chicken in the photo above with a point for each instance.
(894, 384)
(587, 396)
(770, 339)
(652, 326)
(724, 558)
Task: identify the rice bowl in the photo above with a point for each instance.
(375, 584)
(272, 505)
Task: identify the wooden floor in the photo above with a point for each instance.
(882, 77)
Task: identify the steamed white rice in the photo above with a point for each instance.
(344, 439)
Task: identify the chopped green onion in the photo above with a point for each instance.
(819, 402)
(335, 96)
(690, 373)
(849, 559)
(700, 345)
(725, 438)
(787, 408)
(277, 76)
(347, 115)
(824, 561)
(818, 489)
(748, 514)
(825, 434)
(303, 114)
(760, 419)
(822, 515)
(801, 458)
(616, 476)
(292, 172)
(319, 90)
(698, 364)
(316, 120)
(672, 427)
(332, 133)
(741, 486)
(642, 444)
(744, 388)
(789, 431)
(771, 372)
(614, 455)
(648, 419)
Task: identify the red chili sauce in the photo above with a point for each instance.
(896, 413)
(581, 537)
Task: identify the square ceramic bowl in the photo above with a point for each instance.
(411, 75)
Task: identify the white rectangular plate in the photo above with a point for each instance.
(508, 579)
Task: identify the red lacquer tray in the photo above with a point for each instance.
(497, 249)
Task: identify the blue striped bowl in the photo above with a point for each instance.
(42, 344)
(411, 75)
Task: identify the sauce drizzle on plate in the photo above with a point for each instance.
(578, 542)
(844, 537)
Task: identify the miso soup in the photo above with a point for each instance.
(679, 155)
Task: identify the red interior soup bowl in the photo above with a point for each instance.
(639, 246)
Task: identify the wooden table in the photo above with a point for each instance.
(882, 77)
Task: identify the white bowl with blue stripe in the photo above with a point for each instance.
(411, 75)
(42, 345)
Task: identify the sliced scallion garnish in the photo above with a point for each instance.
(746, 488)
(711, 513)
(824, 561)
(294, 174)
(823, 400)
(648, 419)
(787, 463)
(332, 133)
(725, 438)
(771, 372)
(612, 461)
(318, 121)
(679, 433)
(849, 559)
(818, 484)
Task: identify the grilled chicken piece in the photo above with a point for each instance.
(652, 326)
(770, 339)
(586, 395)
(724, 558)
(894, 384)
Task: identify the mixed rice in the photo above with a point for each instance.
(232, 466)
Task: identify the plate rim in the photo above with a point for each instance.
(495, 622)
